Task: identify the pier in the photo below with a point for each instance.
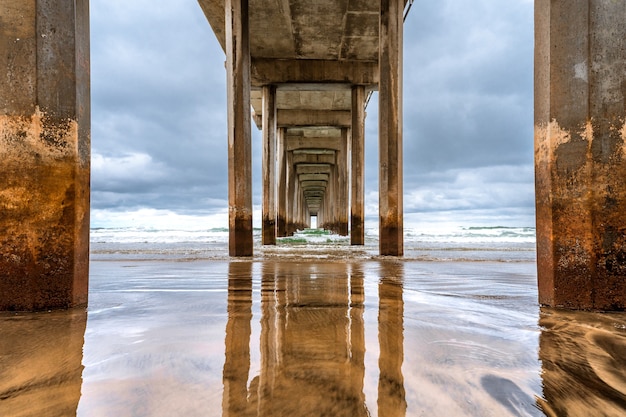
(302, 71)
(306, 70)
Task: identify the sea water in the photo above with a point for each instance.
(499, 244)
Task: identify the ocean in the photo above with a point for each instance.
(498, 244)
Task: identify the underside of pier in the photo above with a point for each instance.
(306, 68)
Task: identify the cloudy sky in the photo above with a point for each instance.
(159, 154)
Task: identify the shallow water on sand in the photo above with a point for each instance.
(310, 337)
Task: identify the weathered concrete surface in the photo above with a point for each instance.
(239, 131)
(580, 153)
(357, 167)
(391, 238)
(269, 166)
(45, 154)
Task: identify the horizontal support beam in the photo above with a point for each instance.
(280, 71)
(298, 142)
(295, 118)
(313, 177)
(308, 158)
(306, 184)
(313, 169)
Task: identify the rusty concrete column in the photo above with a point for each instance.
(281, 228)
(269, 165)
(45, 152)
(357, 164)
(390, 128)
(332, 196)
(291, 192)
(239, 131)
(343, 180)
(580, 153)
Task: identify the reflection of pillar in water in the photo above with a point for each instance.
(237, 361)
(312, 341)
(391, 395)
(357, 330)
(41, 363)
(583, 363)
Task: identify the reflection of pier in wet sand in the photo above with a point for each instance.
(303, 337)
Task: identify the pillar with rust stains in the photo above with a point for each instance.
(269, 165)
(580, 153)
(342, 183)
(357, 164)
(281, 189)
(391, 238)
(239, 131)
(290, 195)
(45, 153)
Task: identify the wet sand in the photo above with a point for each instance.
(278, 337)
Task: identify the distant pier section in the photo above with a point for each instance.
(306, 69)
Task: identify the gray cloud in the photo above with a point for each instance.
(159, 108)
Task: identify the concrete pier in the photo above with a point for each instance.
(580, 153)
(322, 62)
(305, 72)
(45, 154)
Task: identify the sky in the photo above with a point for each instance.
(159, 145)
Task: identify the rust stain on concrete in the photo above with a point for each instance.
(44, 214)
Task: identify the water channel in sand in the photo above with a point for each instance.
(312, 338)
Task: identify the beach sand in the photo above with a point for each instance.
(307, 337)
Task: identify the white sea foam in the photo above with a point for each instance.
(445, 244)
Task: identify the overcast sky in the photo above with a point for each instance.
(159, 116)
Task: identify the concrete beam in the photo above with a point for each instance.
(289, 71)
(313, 169)
(318, 183)
(295, 118)
(580, 157)
(45, 152)
(313, 177)
(239, 131)
(299, 142)
(309, 158)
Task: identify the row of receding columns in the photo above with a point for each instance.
(328, 185)
(239, 142)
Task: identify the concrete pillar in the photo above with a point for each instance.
(390, 128)
(343, 180)
(357, 167)
(290, 195)
(239, 131)
(391, 393)
(269, 165)
(580, 153)
(45, 152)
(281, 218)
(332, 197)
